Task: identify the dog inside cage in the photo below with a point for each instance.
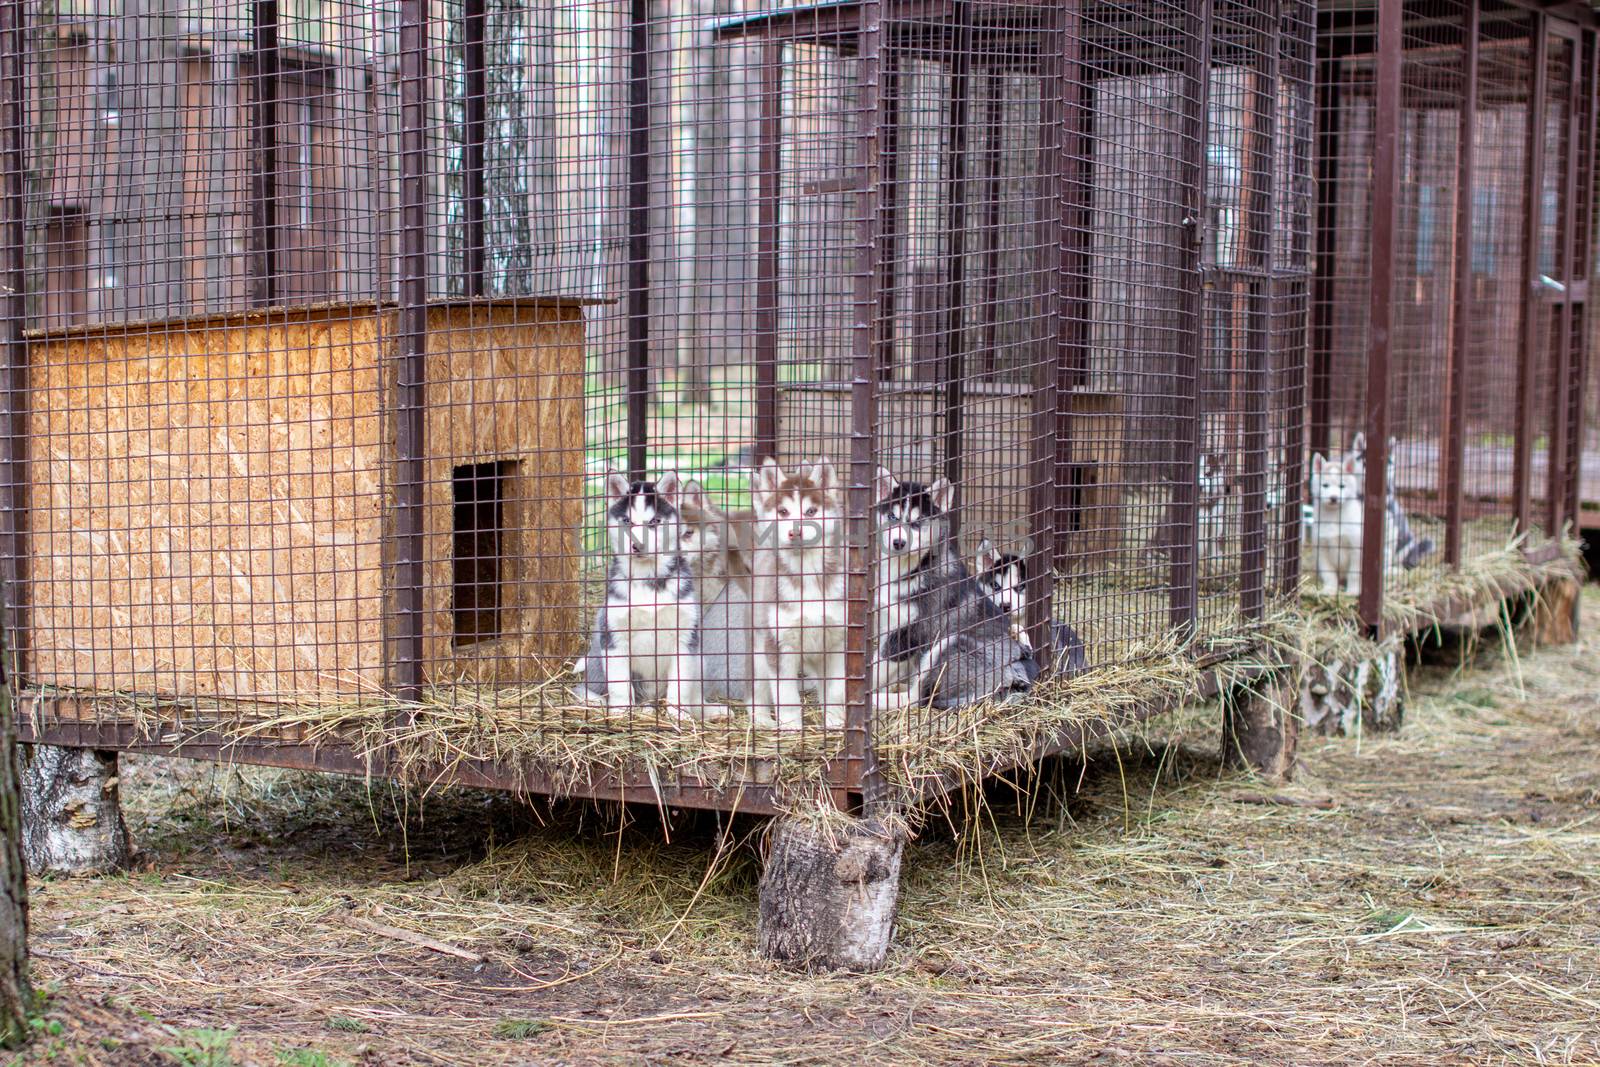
(837, 372)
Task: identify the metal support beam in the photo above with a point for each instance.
(1184, 580)
(638, 380)
(264, 152)
(410, 372)
(1385, 195)
(768, 222)
(1454, 458)
(475, 135)
(1532, 301)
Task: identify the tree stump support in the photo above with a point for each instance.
(829, 892)
(1552, 617)
(71, 812)
(1342, 698)
(16, 995)
(1261, 724)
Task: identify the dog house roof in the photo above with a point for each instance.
(261, 315)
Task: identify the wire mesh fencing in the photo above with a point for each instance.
(639, 400)
(1447, 349)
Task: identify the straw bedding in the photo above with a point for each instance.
(538, 725)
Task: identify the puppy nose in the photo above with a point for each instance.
(898, 543)
(794, 533)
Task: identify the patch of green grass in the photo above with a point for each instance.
(520, 1029)
(202, 1048)
(346, 1025)
(1387, 921)
(306, 1057)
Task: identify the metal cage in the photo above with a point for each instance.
(1455, 253)
(328, 322)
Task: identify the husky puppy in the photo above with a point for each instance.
(798, 592)
(1337, 495)
(710, 543)
(727, 664)
(716, 542)
(1211, 508)
(647, 631)
(1003, 576)
(936, 627)
(1402, 548)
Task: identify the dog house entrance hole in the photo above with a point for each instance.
(478, 552)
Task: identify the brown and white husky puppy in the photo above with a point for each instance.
(797, 565)
(716, 542)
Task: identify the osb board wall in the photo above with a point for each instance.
(505, 384)
(997, 434)
(208, 498)
(206, 508)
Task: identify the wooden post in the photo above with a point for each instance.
(829, 892)
(1344, 698)
(16, 996)
(71, 814)
(1261, 725)
(1553, 616)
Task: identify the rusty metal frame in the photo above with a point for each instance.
(411, 364)
(1319, 392)
(638, 373)
(264, 233)
(14, 444)
(1262, 318)
(955, 255)
(1585, 221)
(862, 776)
(1528, 331)
(1065, 156)
(1562, 433)
(1184, 600)
(1072, 173)
(1453, 457)
(767, 249)
(475, 138)
(1385, 194)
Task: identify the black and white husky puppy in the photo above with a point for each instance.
(1004, 577)
(647, 631)
(1404, 548)
(939, 634)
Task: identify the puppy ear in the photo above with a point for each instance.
(694, 494)
(769, 477)
(943, 494)
(1317, 463)
(883, 484)
(1028, 544)
(616, 486)
(669, 488)
(822, 473)
(1358, 443)
(987, 556)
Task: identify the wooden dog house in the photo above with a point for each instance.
(814, 419)
(211, 499)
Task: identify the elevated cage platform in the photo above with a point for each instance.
(330, 322)
(1455, 254)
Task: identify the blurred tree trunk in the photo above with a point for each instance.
(15, 995)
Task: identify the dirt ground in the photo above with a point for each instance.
(1431, 897)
